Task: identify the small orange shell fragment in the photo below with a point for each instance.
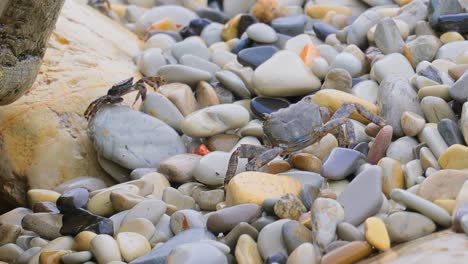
(308, 53)
(201, 150)
(164, 24)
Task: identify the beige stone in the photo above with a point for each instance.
(181, 95)
(87, 53)
(392, 175)
(41, 195)
(82, 240)
(323, 147)
(246, 251)
(132, 245)
(255, 187)
(443, 184)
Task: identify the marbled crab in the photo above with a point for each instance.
(115, 93)
(292, 129)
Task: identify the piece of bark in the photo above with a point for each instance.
(25, 27)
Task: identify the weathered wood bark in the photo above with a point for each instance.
(25, 27)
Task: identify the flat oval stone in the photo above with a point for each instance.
(270, 239)
(255, 56)
(233, 83)
(284, 74)
(290, 25)
(160, 254)
(363, 196)
(110, 130)
(402, 149)
(341, 163)
(323, 30)
(262, 105)
(262, 33)
(214, 120)
(224, 220)
(407, 226)
(151, 209)
(159, 106)
(425, 207)
(47, 225)
(193, 253)
(183, 74)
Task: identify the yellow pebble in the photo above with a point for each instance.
(320, 11)
(255, 187)
(455, 157)
(82, 240)
(403, 2)
(246, 251)
(42, 195)
(451, 37)
(392, 175)
(447, 204)
(376, 233)
(230, 28)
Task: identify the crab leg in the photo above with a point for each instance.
(348, 108)
(243, 151)
(262, 159)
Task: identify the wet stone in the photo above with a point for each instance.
(266, 105)
(291, 25)
(224, 220)
(348, 161)
(323, 30)
(79, 220)
(450, 132)
(72, 199)
(294, 234)
(255, 56)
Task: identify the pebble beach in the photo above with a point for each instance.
(363, 102)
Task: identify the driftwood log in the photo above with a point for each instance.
(25, 27)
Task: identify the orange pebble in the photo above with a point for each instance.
(163, 24)
(308, 53)
(201, 150)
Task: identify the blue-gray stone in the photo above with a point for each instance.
(450, 132)
(341, 163)
(291, 25)
(322, 30)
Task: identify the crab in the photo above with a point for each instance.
(296, 127)
(115, 93)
